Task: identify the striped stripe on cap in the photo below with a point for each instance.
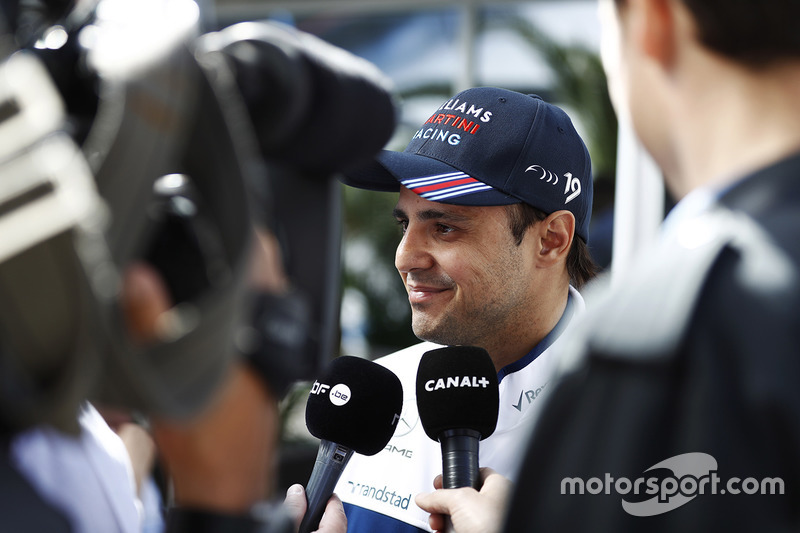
(443, 186)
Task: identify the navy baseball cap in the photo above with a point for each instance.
(491, 146)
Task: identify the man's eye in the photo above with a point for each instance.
(441, 228)
(403, 224)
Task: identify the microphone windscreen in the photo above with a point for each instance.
(457, 389)
(357, 404)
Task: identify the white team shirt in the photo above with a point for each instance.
(378, 491)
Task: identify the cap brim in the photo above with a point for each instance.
(428, 177)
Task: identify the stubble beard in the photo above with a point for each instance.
(483, 327)
(444, 329)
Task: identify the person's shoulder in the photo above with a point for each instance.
(762, 260)
(754, 286)
(746, 317)
(707, 269)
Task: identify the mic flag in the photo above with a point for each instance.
(458, 401)
(356, 404)
(355, 407)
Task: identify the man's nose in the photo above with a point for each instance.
(413, 252)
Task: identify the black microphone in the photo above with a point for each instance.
(355, 407)
(458, 400)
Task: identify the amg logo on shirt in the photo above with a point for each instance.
(402, 451)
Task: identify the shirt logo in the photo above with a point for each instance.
(408, 419)
(529, 397)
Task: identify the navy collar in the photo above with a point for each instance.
(543, 345)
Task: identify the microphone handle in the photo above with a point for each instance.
(328, 468)
(460, 458)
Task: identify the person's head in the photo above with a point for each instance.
(752, 32)
(495, 200)
(672, 62)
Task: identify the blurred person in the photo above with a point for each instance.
(221, 462)
(495, 194)
(123, 124)
(141, 448)
(72, 264)
(89, 477)
(678, 409)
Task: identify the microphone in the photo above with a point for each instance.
(355, 407)
(458, 400)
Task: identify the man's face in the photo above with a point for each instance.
(468, 282)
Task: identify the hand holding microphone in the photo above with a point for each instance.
(465, 510)
(458, 401)
(355, 407)
(333, 518)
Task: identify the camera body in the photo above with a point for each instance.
(126, 98)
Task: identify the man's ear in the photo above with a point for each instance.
(652, 23)
(556, 233)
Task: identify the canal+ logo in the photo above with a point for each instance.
(456, 382)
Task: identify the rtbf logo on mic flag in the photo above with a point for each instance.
(357, 404)
(339, 394)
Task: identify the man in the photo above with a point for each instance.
(495, 193)
(681, 409)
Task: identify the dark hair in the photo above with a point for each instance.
(580, 265)
(757, 33)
